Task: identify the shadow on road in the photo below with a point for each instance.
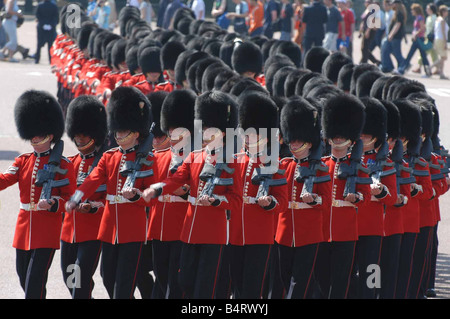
(443, 276)
(8, 155)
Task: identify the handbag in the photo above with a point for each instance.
(430, 36)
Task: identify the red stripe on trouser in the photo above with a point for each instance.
(350, 273)
(46, 271)
(217, 272)
(265, 271)
(311, 273)
(423, 266)
(410, 268)
(92, 271)
(136, 271)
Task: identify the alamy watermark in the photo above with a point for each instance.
(374, 16)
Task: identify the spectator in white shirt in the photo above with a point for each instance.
(198, 6)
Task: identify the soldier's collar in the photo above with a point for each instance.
(301, 160)
(341, 159)
(372, 151)
(130, 150)
(46, 153)
(90, 155)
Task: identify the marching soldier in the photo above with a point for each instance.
(167, 216)
(169, 54)
(126, 170)
(46, 180)
(427, 218)
(149, 61)
(342, 121)
(204, 233)
(393, 217)
(252, 225)
(300, 227)
(87, 128)
(383, 193)
(420, 188)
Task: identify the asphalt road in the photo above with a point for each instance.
(17, 77)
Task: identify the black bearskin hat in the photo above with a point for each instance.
(315, 58)
(365, 81)
(300, 121)
(291, 81)
(258, 111)
(216, 109)
(279, 80)
(129, 109)
(358, 71)
(87, 115)
(291, 50)
(376, 91)
(156, 100)
(333, 64)
(345, 77)
(178, 111)
(410, 122)
(343, 116)
(247, 57)
(393, 119)
(118, 53)
(37, 113)
(169, 54)
(149, 60)
(376, 119)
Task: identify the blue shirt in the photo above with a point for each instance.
(334, 17)
(287, 11)
(315, 16)
(268, 8)
(171, 9)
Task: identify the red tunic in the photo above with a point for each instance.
(428, 216)
(340, 222)
(79, 227)
(37, 228)
(167, 215)
(302, 226)
(205, 224)
(251, 224)
(393, 219)
(123, 221)
(411, 216)
(371, 216)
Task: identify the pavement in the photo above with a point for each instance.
(15, 78)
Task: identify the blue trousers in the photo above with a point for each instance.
(391, 47)
(414, 47)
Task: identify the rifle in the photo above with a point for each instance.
(445, 158)
(377, 168)
(397, 158)
(210, 174)
(82, 176)
(414, 159)
(350, 171)
(425, 152)
(265, 181)
(132, 170)
(45, 177)
(308, 175)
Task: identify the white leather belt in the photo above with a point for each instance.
(29, 207)
(249, 200)
(116, 199)
(299, 205)
(171, 199)
(341, 203)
